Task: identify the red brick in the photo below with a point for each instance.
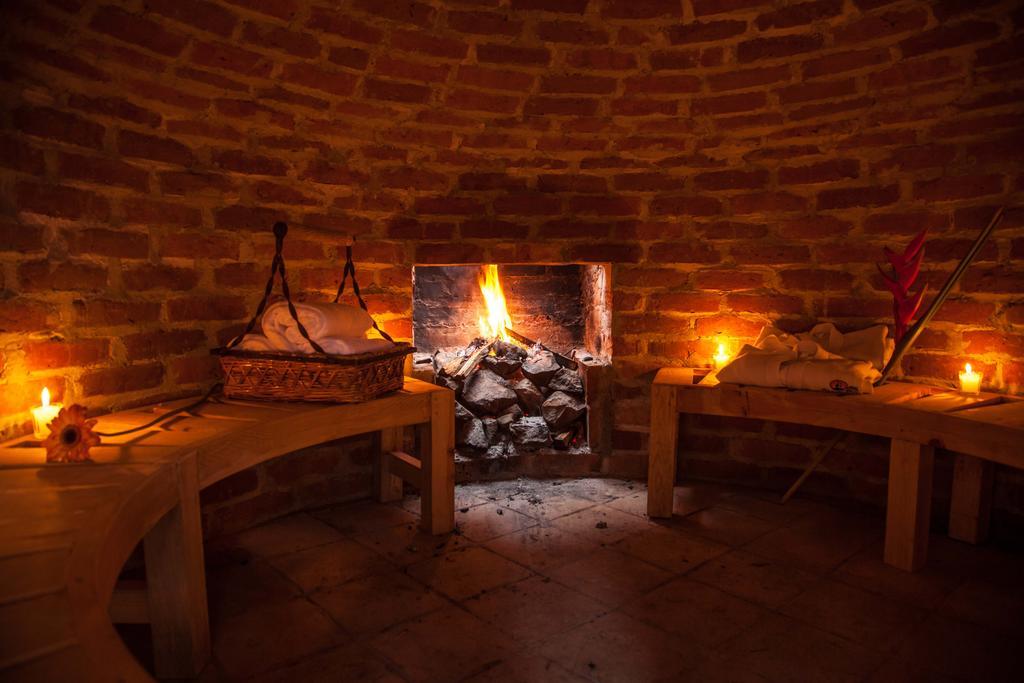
(948, 188)
(777, 47)
(800, 14)
(731, 180)
(103, 171)
(170, 151)
(142, 211)
(476, 100)
(839, 62)
(822, 172)
(243, 162)
(707, 7)
(327, 173)
(428, 253)
(403, 11)
(877, 26)
(685, 206)
(121, 379)
(770, 254)
(646, 182)
(1006, 279)
(298, 43)
(196, 369)
(728, 325)
(814, 280)
(149, 276)
(574, 32)
(816, 90)
(685, 302)
(423, 43)
(131, 28)
(117, 243)
(844, 198)
(705, 31)
(378, 89)
(196, 13)
(333, 82)
(455, 206)
(57, 125)
(104, 313)
(114, 107)
(748, 78)
(644, 85)
(731, 230)
(15, 237)
(145, 345)
(767, 202)
(607, 206)
(557, 106)
(560, 6)
(601, 59)
(594, 85)
(908, 223)
(231, 58)
(728, 279)
(678, 252)
(949, 36)
(527, 204)
(727, 104)
(990, 341)
(602, 252)
(49, 355)
(508, 54)
(61, 202)
(207, 308)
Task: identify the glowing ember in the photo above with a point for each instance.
(496, 320)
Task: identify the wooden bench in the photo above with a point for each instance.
(67, 529)
(981, 430)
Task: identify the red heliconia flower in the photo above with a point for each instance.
(71, 436)
(905, 269)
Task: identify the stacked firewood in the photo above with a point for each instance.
(512, 398)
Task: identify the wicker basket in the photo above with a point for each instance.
(278, 376)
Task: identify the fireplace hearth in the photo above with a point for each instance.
(525, 348)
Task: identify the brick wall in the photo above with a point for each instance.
(738, 161)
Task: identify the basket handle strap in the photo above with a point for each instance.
(350, 268)
(277, 265)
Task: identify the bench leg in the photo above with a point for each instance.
(908, 514)
(971, 506)
(388, 486)
(176, 583)
(437, 466)
(661, 462)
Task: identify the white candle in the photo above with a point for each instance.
(721, 357)
(44, 415)
(970, 381)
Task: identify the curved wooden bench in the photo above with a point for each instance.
(66, 530)
(980, 429)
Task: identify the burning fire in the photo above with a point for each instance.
(496, 320)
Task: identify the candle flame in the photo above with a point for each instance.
(496, 320)
(45, 397)
(967, 369)
(721, 357)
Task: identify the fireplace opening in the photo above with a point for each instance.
(526, 349)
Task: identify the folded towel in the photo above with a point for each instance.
(348, 347)
(810, 360)
(322, 321)
(255, 342)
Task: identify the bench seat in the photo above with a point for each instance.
(67, 529)
(981, 429)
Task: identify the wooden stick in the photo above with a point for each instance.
(825, 450)
(910, 337)
(526, 341)
(473, 360)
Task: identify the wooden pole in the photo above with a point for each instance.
(822, 452)
(564, 361)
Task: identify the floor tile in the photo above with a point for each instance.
(726, 526)
(753, 578)
(671, 549)
(545, 507)
(405, 544)
(617, 647)
(364, 517)
(609, 576)
(374, 603)
(447, 645)
(267, 637)
(347, 663)
(535, 609)
(234, 588)
(696, 612)
(866, 618)
(769, 507)
(602, 524)
(328, 565)
(526, 668)
(996, 604)
(463, 499)
(964, 650)
(285, 535)
(484, 522)
(542, 547)
(780, 649)
(463, 573)
(924, 588)
(819, 543)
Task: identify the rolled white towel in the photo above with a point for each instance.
(321, 321)
(255, 342)
(348, 347)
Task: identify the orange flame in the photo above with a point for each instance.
(496, 320)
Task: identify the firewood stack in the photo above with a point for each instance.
(511, 398)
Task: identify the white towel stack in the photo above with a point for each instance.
(339, 329)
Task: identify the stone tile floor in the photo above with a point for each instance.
(569, 581)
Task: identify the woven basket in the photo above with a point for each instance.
(278, 376)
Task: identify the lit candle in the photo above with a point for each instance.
(44, 415)
(970, 381)
(721, 357)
